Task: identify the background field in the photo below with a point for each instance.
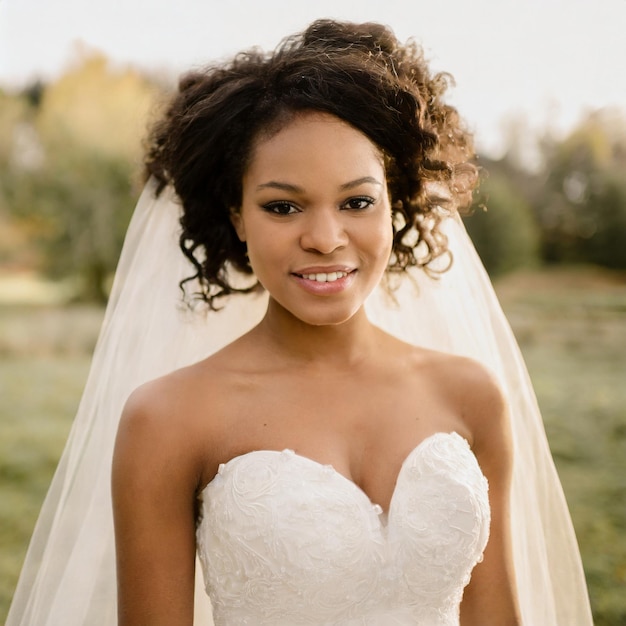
(571, 324)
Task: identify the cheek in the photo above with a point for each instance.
(381, 240)
(266, 251)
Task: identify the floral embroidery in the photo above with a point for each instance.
(284, 540)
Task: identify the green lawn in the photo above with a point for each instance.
(38, 397)
(572, 329)
(44, 357)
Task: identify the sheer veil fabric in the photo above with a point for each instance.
(68, 576)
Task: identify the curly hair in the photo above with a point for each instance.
(359, 73)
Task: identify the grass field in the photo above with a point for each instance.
(572, 329)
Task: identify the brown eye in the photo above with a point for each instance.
(358, 204)
(280, 208)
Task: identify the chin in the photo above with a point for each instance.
(328, 322)
(326, 317)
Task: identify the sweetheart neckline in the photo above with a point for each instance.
(322, 466)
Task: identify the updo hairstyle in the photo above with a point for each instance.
(359, 73)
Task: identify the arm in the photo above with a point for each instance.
(490, 598)
(153, 485)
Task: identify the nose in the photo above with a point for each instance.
(324, 231)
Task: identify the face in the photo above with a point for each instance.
(316, 218)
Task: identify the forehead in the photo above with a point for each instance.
(314, 142)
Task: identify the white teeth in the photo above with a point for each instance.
(331, 277)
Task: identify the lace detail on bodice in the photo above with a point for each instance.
(284, 540)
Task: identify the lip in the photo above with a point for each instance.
(319, 269)
(325, 288)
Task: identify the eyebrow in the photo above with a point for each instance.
(296, 189)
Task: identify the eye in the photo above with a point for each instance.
(280, 208)
(359, 203)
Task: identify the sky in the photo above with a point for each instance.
(547, 61)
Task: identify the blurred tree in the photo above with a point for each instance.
(76, 210)
(13, 111)
(97, 107)
(69, 167)
(15, 250)
(503, 226)
(583, 209)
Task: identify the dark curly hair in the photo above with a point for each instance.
(359, 73)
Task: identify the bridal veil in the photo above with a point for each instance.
(68, 578)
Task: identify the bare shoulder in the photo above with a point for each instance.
(461, 376)
(190, 402)
(183, 393)
(161, 405)
(467, 387)
(483, 407)
(171, 421)
(473, 385)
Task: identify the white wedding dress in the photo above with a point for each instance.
(284, 540)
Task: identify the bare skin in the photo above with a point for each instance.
(315, 376)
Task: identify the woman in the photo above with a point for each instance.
(324, 470)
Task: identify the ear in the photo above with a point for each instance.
(237, 222)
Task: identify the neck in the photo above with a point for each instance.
(341, 345)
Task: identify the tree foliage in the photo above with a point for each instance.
(569, 208)
(76, 211)
(68, 166)
(503, 226)
(583, 209)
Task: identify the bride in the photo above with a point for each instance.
(347, 434)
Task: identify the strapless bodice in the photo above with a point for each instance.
(284, 540)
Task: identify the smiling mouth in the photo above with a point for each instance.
(323, 277)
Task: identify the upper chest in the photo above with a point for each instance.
(364, 427)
